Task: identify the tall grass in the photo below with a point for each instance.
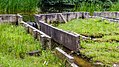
(18, 6)
(115, 7)
(89, 7)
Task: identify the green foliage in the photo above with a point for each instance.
(82, 5)
(115, 7)
(18, 6)
(34, 6)
(15, 42)
(89, 7)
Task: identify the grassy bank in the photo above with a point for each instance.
(91, 27)
(18, 6)
(15, 43)
(105, 46)
(101, 52)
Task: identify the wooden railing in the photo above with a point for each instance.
(61, 17)
(14, 18)
(107, 14)
(69, 40)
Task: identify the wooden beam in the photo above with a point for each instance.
(63, 17)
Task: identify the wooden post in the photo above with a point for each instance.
(43, 42)
(35, 34)
(63, 17)
(27, 28)
(49, 43)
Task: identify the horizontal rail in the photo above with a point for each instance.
(107, 14)
(12, 18)
(61, 17)
(35, 29)
(69, 40)
(64, 56)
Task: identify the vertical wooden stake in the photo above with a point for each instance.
(43, 42)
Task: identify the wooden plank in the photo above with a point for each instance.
(42, 37)
(69, 40)
(64, 56)
(10, 18)
(35, 29)
(61, 17)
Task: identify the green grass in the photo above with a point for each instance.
(105, 48)
(109, 38)
(18, 6)
(104, 52)
(91, 27)
(15, 43)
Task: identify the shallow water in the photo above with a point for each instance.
(82, 62)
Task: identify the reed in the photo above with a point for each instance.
(18, 6)
(89, 7)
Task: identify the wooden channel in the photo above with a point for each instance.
(69, 40)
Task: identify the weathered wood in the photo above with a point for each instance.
(42, 37)
(34, 53)
(69, 40)
(20, 18)
(43, 40)
(12, 18)
(61, 17)
(110, 16)
(64, 56)
(107, 14)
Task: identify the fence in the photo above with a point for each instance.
(69, 40)
(62, 17)
(14, 18)
(107, 14)
(111, 16)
